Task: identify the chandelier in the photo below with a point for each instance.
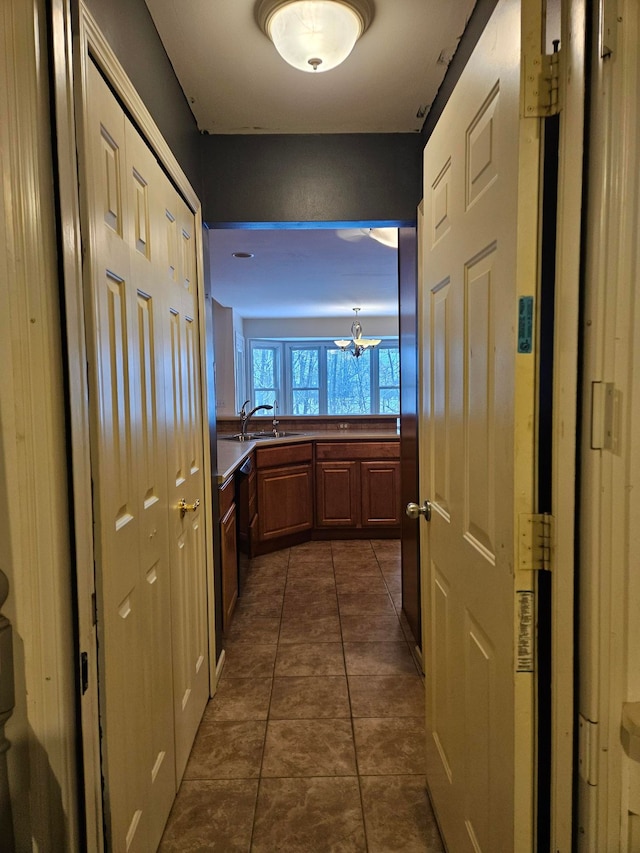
(359, 343)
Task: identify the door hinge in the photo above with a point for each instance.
(541, 84)
(605, 408)
(536, 542)
(94, 609)
(84, 672)
(587, 750)
(609, 23)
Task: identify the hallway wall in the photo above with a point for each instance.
(312, 178)
(131, 33)
(293, 178)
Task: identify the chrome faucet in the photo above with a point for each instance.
(244, 417)
(275, 420)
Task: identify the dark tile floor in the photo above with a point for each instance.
(314, 741)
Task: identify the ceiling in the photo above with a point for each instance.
(236, 83)
(303, 273)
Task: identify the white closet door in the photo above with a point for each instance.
(146, 451)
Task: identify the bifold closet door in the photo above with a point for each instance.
(145, 427)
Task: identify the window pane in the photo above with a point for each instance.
(389, 366)
(348, 383)
(305, 368)
(264, 367)
(306, 402)
(264, 398)
(389, 401)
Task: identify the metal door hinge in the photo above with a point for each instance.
(609, 23)
(94, 609)
(587, 750)
(605, 408)
(536, 542)
(541, 84)
(84, 672)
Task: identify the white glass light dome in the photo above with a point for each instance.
(314, 35)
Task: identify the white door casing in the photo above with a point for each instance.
(480, 255)
(609, 594)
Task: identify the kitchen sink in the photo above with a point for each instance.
(254, 436)
(273, 434)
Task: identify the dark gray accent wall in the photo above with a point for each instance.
(294, 179)
(312, 178)
(131, 33)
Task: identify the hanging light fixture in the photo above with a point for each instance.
(360, 344)
(314, 35)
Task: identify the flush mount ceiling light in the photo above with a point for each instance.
(314, 35)
(360, 344)
(386, 236)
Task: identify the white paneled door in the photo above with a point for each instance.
(480, 271)
(185, 475)
(146, 456)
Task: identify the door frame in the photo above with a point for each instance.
(70, 55)
(609, 793)
(35, 536)
(572, 87)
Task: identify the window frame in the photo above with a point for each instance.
(284, 348)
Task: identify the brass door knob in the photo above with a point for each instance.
(184, 507)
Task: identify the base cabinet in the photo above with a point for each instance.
(337, 494)
(284, 492)
(357, 485)
(380, 492)
(295, 492)
(228, 553)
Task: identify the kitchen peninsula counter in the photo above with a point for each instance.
(231, 454)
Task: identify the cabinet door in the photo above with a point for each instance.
(337, 498)
(380, 483)
(229, 557)
(285, 501)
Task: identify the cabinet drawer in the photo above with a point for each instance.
(357, 450)
(227, 495)
(285, 454)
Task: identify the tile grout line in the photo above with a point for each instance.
(353, 731)
(266, 727)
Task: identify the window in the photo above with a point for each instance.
(265, 373)
(304, 369)
(348, 383)
(315, 378)
(388, 384)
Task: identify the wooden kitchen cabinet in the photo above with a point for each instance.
(337, 494)
(228, 552)
(380, 493)
(358, 485)
(284, 494)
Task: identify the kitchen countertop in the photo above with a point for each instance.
(231, 454)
